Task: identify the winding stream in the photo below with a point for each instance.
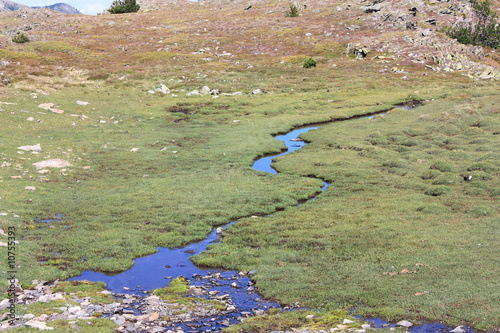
(157, 270)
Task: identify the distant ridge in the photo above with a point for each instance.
(9, 6)
(62, 8)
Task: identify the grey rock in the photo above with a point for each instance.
(193, 93)
(35, 148)
(4, 80)
(372, 8)
(205, 90)
(404, 323)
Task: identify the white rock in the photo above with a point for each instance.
(164, 89)
(30, 188)
(30, 119)
(46, 106)
(39, 324)
(193, 93)
(366, 326)
(82, 103)
(347, 321)
(257, 91)
(458, 329)
(48, 298)
(134, 149)
(404, 323)
(53, 163)
(74, 309)
(205, 90)
(36, 147)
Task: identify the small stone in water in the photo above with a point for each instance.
(404, 323)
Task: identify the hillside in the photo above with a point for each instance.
(123, 134)
(7, 6)
(62, 8)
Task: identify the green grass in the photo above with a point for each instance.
(381, 216)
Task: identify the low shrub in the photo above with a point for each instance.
(20, 38)
(309, 62)
(293, 12)
(481, 29)
(124, 6)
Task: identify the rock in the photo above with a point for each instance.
(36, 148)
(366, 326)
(257, 91)
(4, 80)
(193, 93)
(205, 90)
(82, 103)
(163, 89)
(215, 92)
(372, 8)
(30, 188)
(52, 163)
(52, 297)
(361, 52)
(134, 149)
(119, 320)
(404, 323)
(458, 329)
(46, 106)
(39, 324)
(153, 316)
(347, 322)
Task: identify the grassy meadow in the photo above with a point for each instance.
(399, 233)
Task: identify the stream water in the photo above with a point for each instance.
(157, 270)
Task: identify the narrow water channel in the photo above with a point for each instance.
(157, 270)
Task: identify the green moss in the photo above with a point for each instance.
(177, 287)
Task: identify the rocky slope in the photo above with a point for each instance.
(8, 6)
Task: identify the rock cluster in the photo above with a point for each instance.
(203, 309)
